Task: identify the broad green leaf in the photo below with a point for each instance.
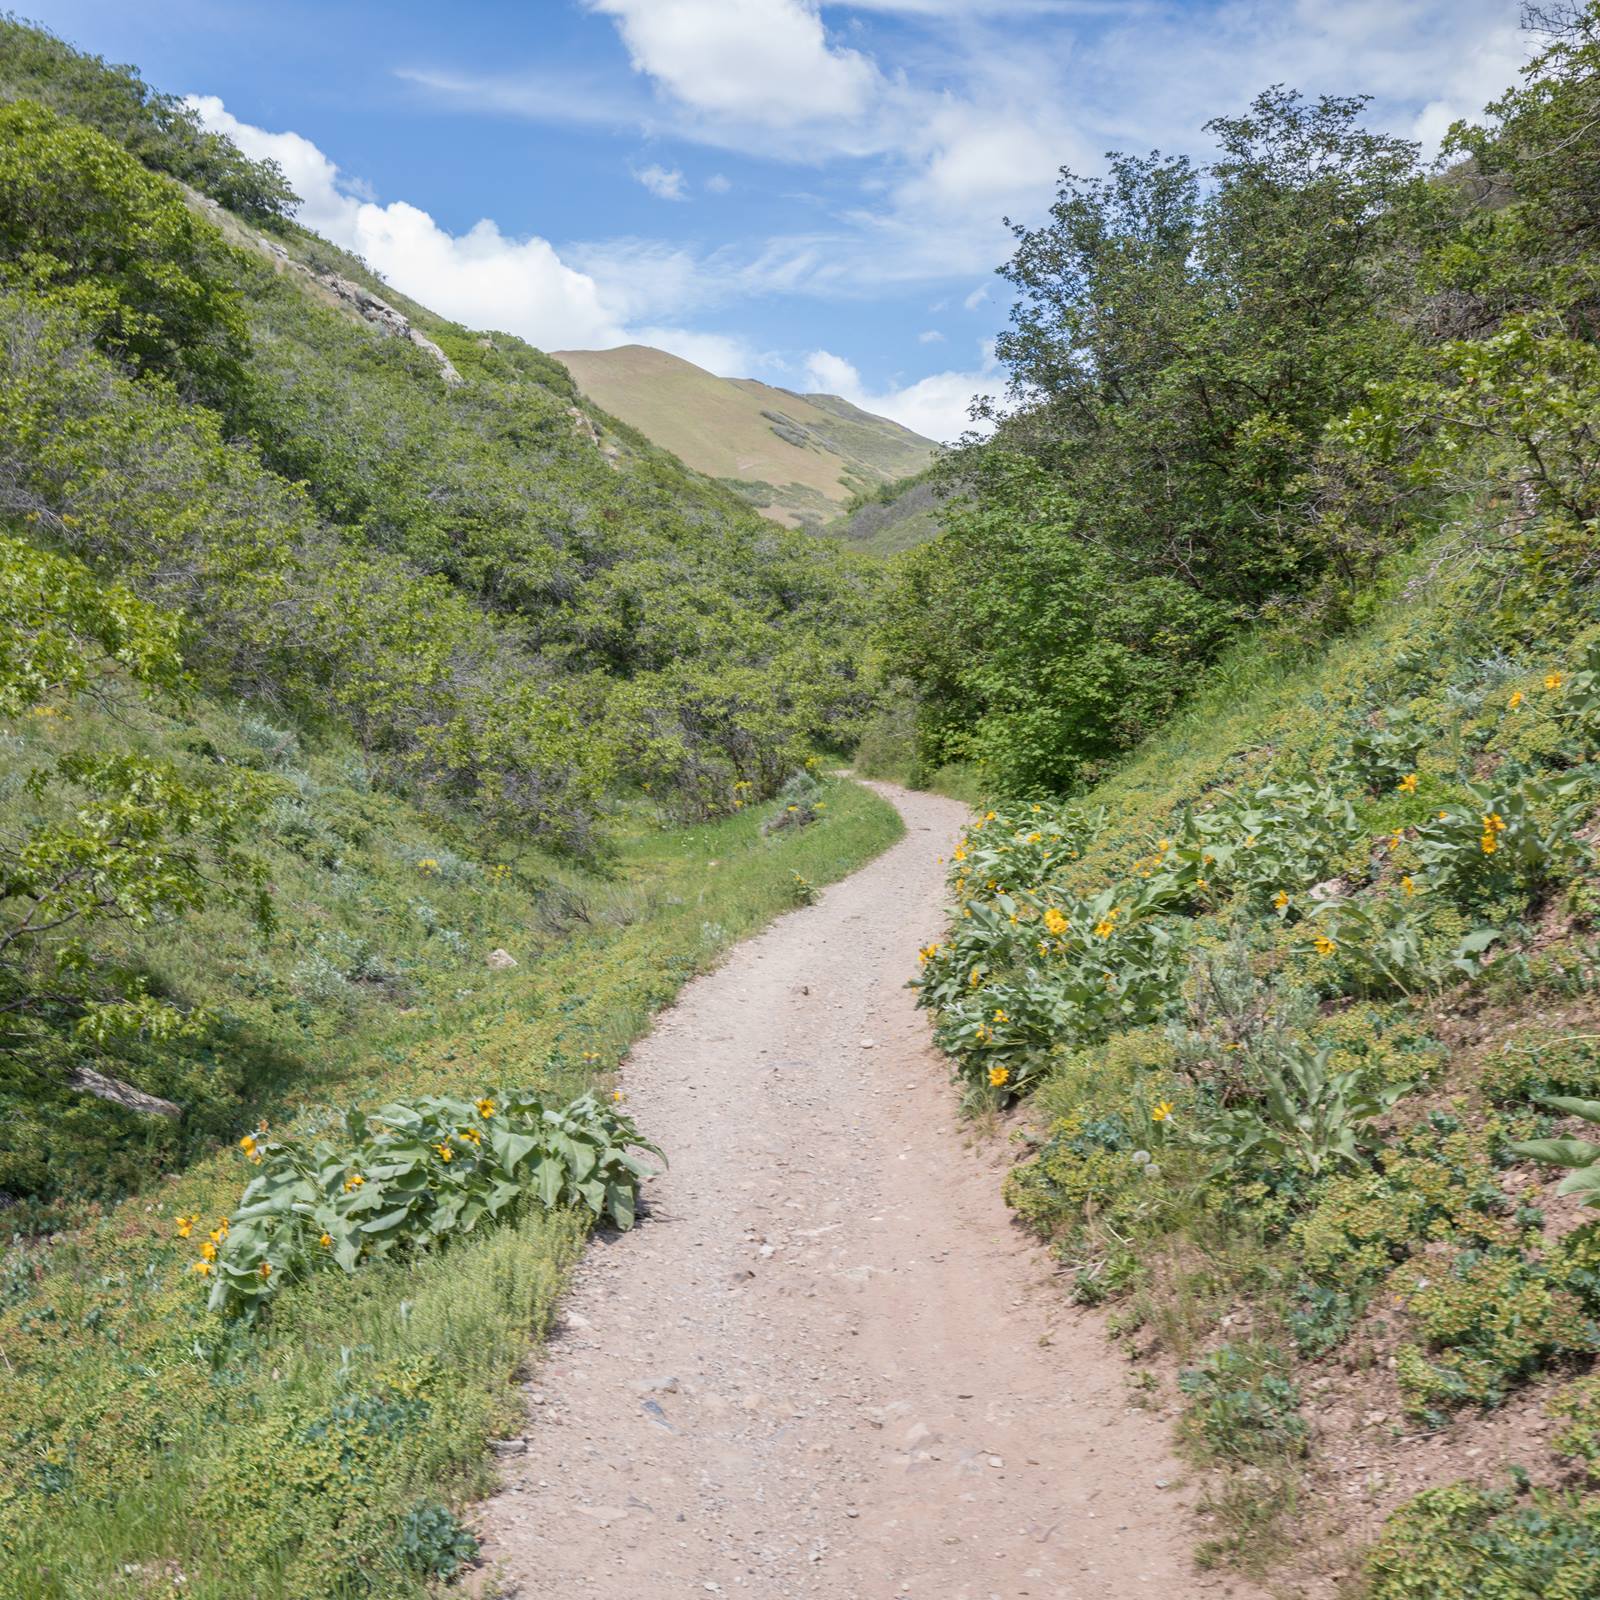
(1563, 1152)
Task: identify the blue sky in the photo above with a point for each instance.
(807, 193)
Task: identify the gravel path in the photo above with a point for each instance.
(824, 1364)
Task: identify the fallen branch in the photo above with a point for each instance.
(122, 1094)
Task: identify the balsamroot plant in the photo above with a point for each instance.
(414, 1174)
(1581, 1157)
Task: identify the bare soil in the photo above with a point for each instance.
(825, 1364)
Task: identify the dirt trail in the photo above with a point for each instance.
(824, 1364)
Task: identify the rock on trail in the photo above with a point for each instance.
(824, 1364)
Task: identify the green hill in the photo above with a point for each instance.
(797, 458)
(897, 517)
(371, 705)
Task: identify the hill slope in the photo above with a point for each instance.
(797, 458)
(899, 516)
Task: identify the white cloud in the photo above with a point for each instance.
(930, 336)
(718, 184)
(665, 183)
(725, 355)
(487, 280)
(765, 61)
(972, 117)
(935, 406)
(480, 277)
(977, 297)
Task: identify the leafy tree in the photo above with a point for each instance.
(1180, 341)
(1528, 179)
(159, 129)
(92, 836)
(81, 220)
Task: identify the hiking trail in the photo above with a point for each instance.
(825, 1363)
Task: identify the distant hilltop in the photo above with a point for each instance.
(797, 458)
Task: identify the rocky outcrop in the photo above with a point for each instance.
(383, 316)
(353, 296)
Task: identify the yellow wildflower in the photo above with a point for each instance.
(204, 1268)
(1407, 884)
(1325, 946)
(248, 1145)
(1489, 844)
(208, 1250)
(988, 816)
(326, 1240)
(1161, 1111)
(1281, 899)
(486, 1108)
(266, 1269)
(616, 1097)
(445, 1152)
(999, 1076)
(1553, 680)
(1055, 922)
(975, 977)
(186, 1226)
(1000, 1016)
(354, 1181)
(1408, 784)
(1104, 928)
(1163, 845)
(1515, 700)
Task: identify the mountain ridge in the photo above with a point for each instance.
(797, 458)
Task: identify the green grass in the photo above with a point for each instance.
(146, 1438)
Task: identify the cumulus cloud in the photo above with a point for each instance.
(717, 183)
(930, 336)
(935, 406)
(480, 277)
(766, 61)
(665, 183)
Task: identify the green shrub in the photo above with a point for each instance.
(1460, 1541)
(417, 1173)
(1577, 1408)
(1243, 1405)
(82, 220)
(1488, 1319)
(431, 1543)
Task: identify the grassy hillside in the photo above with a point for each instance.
(796, 458)
(378, 720)
(1295, 997)
(314, 1453)
(899, 516)
(1290, 886)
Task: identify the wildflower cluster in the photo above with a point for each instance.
(411, 1176)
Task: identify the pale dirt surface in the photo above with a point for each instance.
(825, 1364)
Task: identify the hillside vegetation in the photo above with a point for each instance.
(388, 723)
(797, 458)
(899, 516)
(386, 732)
(1300, 995)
